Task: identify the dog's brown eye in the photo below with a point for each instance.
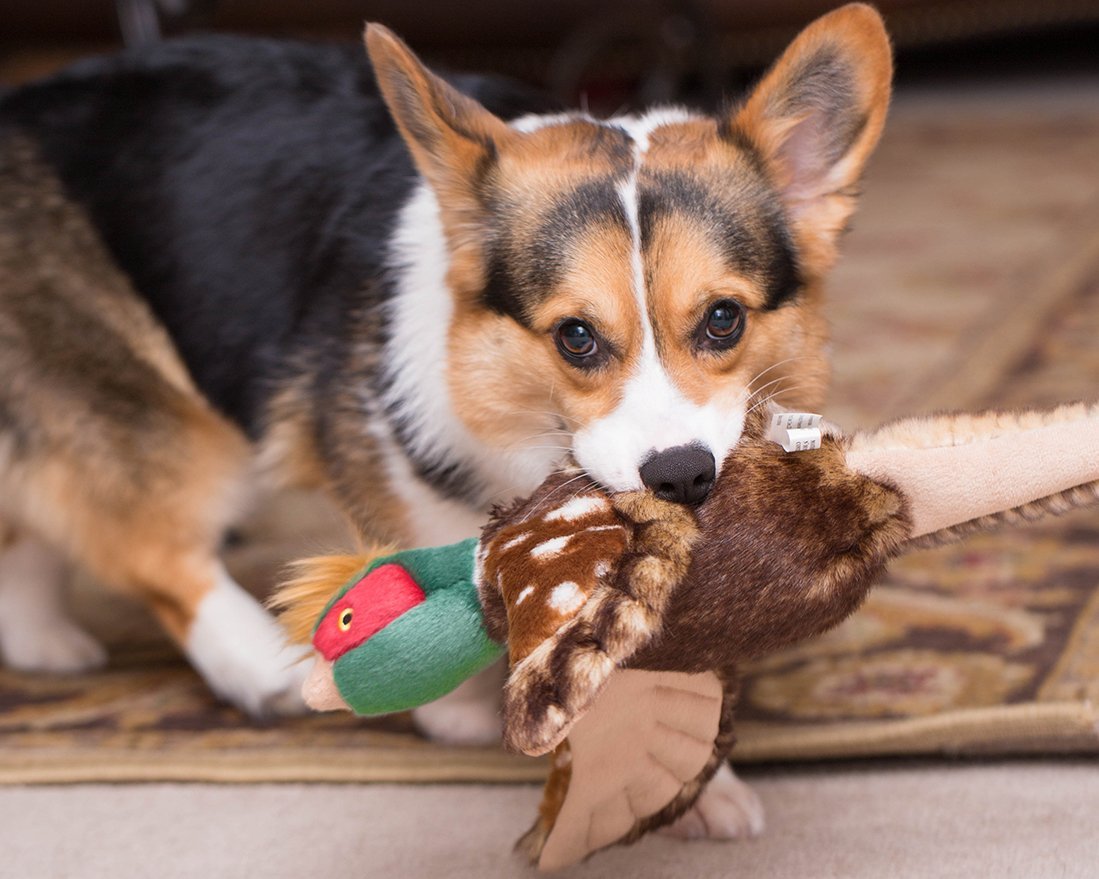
(576, 340)
(724, 324)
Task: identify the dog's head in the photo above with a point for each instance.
(638, 283)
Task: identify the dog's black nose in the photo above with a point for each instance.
(684, 474)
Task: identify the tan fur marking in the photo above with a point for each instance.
(501, 372)
(688, 276)
(353, 471)
(448, 133)
(159, 543)
(288, 450)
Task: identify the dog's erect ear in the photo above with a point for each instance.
(451, 136)
(815, 118)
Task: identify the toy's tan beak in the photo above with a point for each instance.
(320, 691)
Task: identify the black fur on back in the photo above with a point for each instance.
(248, 188)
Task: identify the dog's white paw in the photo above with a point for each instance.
(464, 722)
(58, 646)
(727, 809)
(241, 652)
(263, 691)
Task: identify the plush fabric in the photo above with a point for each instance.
(985, 469)
(786, 546)
(649, 735)
(547, 556)
(421, 656)
(629, 617)
(426, 647)
(374, 602)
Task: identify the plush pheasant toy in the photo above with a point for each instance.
(625, 617)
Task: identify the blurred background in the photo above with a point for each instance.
(611, 53)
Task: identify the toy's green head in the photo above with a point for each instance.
(404, 630)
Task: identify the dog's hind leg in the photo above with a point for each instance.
(36, 633)
(145, 515)
(109, 453)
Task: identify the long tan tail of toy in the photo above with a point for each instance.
(966, 473)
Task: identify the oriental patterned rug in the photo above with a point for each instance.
(971, 279)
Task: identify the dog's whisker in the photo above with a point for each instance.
(762, 388)
(526, 447)
(785, 390)
(762, 402)
(549, 434)
(774, 396)
(763, 372)
(546, 412)
(584, 488)
(588, 487)
(582, 474)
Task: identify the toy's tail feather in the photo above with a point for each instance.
(312, 582)
(968, 473)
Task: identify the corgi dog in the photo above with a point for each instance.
(228, 262)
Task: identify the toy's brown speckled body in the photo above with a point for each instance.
(626, 617)
(785, 547)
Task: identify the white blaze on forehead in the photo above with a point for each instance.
(577, 508)
(534, 121)
(653, 414)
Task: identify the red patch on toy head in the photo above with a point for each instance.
(365, 609)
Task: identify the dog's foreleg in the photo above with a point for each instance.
(241, 651)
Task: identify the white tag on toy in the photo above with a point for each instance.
(796, 431)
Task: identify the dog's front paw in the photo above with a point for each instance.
(272, 692)
(727, 809)
(241, 652)
(57, 646)
(263, 686)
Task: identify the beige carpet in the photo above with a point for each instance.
(971, 279)
(1011, 821)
